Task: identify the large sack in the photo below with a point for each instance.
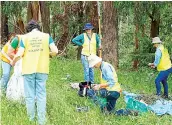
(15, 87)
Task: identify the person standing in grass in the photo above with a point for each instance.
(90, 42)
(5, 62)
(109, 88)
(34, 47)
(15, 88)
(163, 63)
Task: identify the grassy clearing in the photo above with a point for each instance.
(62, 100)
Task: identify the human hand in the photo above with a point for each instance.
(96, 87)
(150, 64)
(12, 63)
(100, 47)
(52, 54)
(153, 67)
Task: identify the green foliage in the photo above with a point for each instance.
(62, 100)
(139, 12)
(71, 52)
(129, 13)
(14, 8)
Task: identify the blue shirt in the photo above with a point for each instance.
(158, 55)
(50, 41)
(108, 73)
(79, 40)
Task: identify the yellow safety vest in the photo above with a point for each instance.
(36, 55)
(165, 62)
(89, 46)
(5, 49)
(116, 87)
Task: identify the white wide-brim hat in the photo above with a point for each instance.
(156, 40)
(93, 60)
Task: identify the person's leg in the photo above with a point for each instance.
(111, 100)
(29, 89)
(6, 68)
(161, 76)
(170, 70)
(165, 84)
(41, 97)
(103, 94)
(91, 75)
(92, 94)
(86, 68)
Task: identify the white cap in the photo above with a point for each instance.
(93, 60)
(156, 40)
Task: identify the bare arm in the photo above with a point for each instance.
(53, 49)
(10, 51)
(6, 55)
(18, 55)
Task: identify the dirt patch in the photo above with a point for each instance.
(148, 99)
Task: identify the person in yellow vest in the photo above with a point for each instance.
(34, 47)
(14, 45)
(163, 63)
(90, 42)
(109, 88)
(5, 63)
(15, 87)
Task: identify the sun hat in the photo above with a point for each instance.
(93, 60)
(88, 26)
(156, 40)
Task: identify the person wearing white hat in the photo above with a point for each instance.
(163, 63)
(109, 88)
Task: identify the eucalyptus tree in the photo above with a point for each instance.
(110, 33)
(12, 17)
(138, 23)
(39, 11)
(4, 24)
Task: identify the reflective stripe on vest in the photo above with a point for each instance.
(116, 87)
(165, 62)
(36, 55)
(89, 46)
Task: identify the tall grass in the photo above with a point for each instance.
(62, 100)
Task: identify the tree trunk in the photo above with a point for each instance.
(155, 21)
(136, 61)
(154, 28)
(92, 14)
(19, 27)
(33, 11)
(64, 19)
(4, 25)
(39, 11)
(45, 16)
(80, 27)
(109, 41)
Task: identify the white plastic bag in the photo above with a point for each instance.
(15, 86)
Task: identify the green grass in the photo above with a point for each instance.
(62, 100)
